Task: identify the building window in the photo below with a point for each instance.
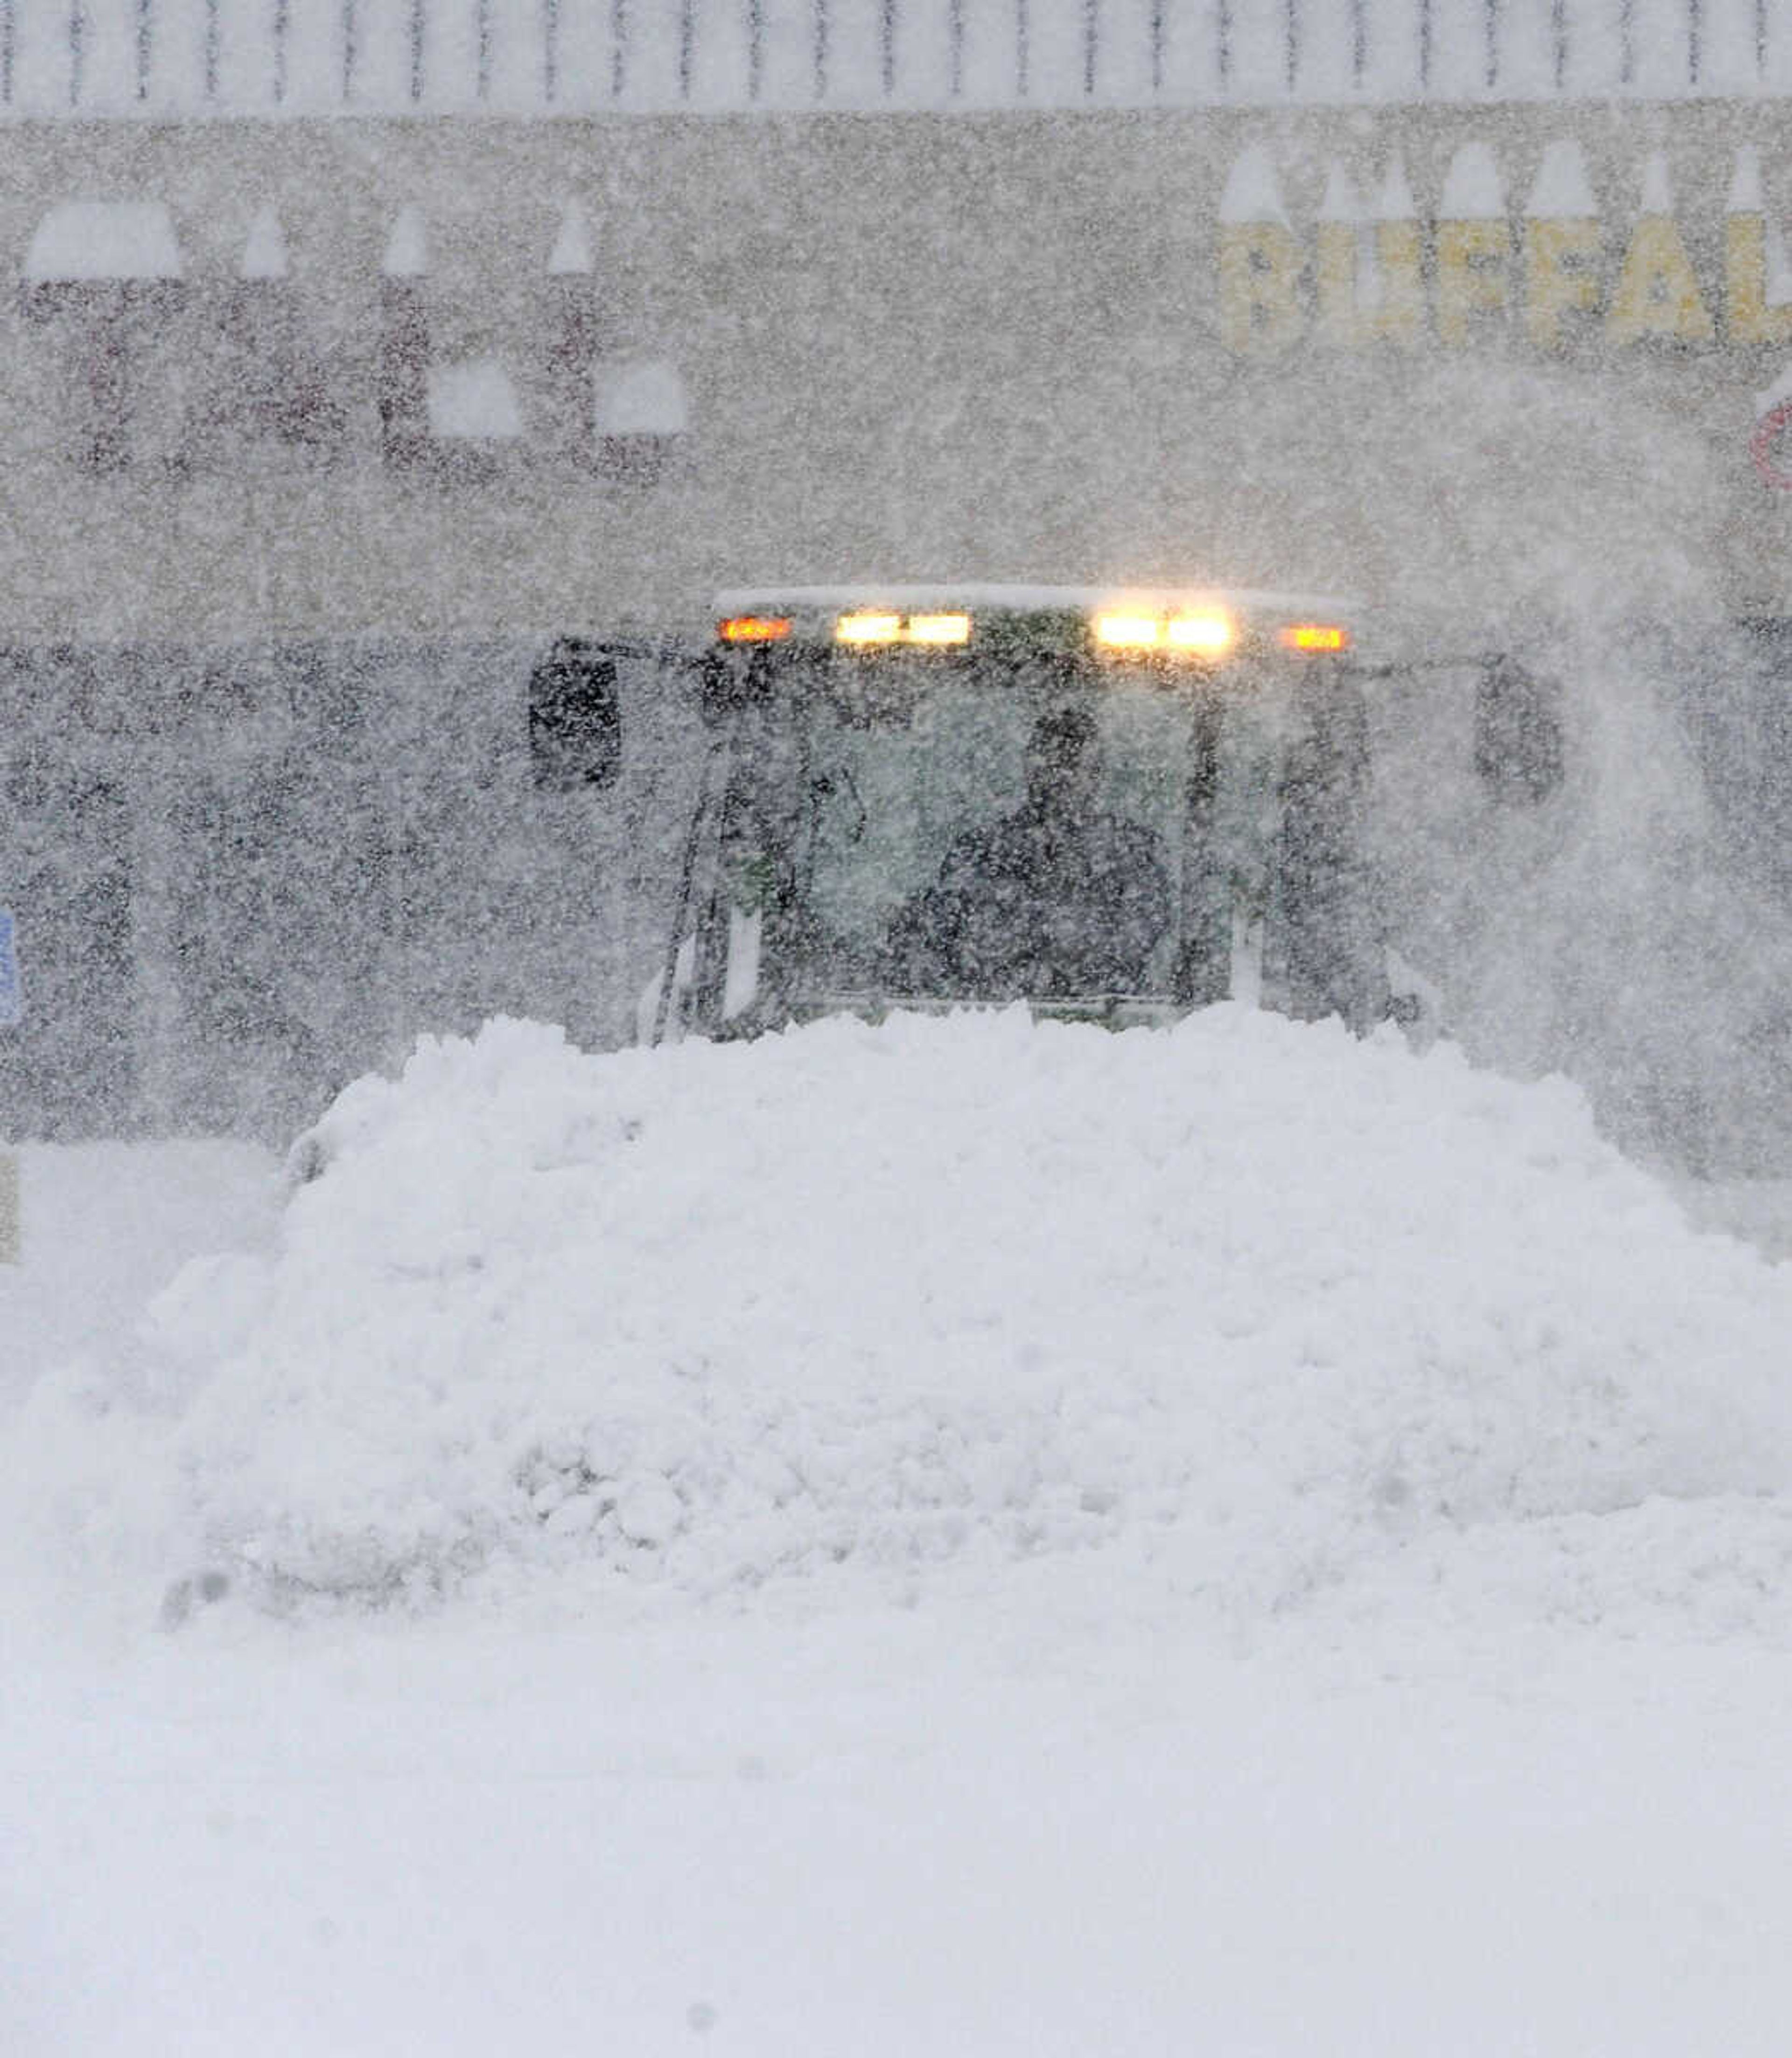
(643, 421)
(472, 414)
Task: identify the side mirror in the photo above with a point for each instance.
(575, 718)
(1518, 732)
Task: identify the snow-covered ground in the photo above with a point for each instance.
(956, 1537)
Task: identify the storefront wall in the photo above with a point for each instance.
(1110, 344)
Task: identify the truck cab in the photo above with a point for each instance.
(1111, 803)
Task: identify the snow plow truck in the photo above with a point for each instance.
(1111, 803)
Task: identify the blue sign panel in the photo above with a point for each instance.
(12, 1000)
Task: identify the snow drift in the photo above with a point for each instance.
(1245, 1303)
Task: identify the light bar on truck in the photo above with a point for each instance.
(937, 628)
(1205, 632)
(753, 629)
(872, 626)
(1208, 633)
(1129, 632)
(868, 629)
(1311, 637)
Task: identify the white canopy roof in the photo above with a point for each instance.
(124, 59)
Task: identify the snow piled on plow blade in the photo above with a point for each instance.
(1257, 1314)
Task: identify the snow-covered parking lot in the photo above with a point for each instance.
(955, 1537)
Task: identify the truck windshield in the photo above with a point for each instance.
(970, 838)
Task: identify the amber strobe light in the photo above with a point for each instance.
(754, 628)
(1311, 636)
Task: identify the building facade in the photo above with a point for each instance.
(353, 350)
(447, 319)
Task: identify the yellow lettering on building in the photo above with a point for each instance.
(1748, 318)
(1561, 276)
(1260, 287)
(1368, 283)
(1657, 293)
(1471, 262)
(1335, 268)
(1557, 273)
(1395, 311)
